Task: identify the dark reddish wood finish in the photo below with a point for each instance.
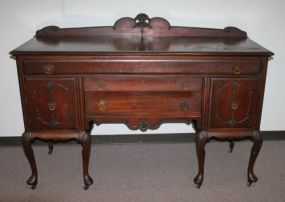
(233, 103)
(141, 24)
(125, 65)
(141, 72)
(52, 103)
(143, 105)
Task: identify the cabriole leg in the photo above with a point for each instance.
(257, 143)
(86, 146)
(201, 140)
(232, 144)
(50, 147)
(26, 143)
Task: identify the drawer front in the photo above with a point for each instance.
(233, 103)
(52, 104)
(233, 67)
(151, 104)
(142, 83)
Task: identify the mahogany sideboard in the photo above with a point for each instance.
(141, 72)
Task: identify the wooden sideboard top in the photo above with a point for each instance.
(141, 36)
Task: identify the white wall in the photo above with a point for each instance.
(263, 20)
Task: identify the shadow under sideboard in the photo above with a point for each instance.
(144, 138)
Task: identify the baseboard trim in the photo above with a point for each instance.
(145, 138)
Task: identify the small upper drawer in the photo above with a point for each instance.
(142, 83)
(229, 67)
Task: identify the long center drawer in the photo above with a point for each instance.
(146, 104)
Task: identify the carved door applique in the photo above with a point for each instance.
(233, 102)
(52, 104)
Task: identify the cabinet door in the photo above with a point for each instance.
(52, 103)
(233, 103)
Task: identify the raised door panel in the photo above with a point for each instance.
(233, 103)
(52, 104)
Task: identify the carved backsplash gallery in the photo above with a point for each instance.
(142, 25)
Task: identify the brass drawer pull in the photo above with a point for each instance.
(100, 85)
(185, 85)
(236, 70)
(234, 106)
(51, 106)
(101, 105)
(184, 106)
(48, 68)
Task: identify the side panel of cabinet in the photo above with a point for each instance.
(233, 103)
(52, 103)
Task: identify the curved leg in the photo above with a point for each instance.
(84, 140)
(232, 144)
(201, 140)
(257, 143)
(50, 147)
(26, 142)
